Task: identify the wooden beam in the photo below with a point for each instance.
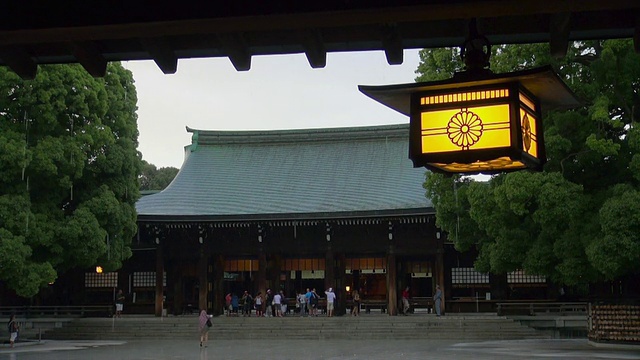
(161, 53)
(90, 57)
(559, 29)
(159, 296)
(236, 48)
(318, 19)
(636, 34)
(314, 49)
(392, 44)
(18, 60)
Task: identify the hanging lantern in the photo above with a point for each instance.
(478, 121)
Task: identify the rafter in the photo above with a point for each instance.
(90, 57)
(559, 29)
(161, 53)
(392, 44)
(18, 60)
(636, 34)
(314, 48)
(236, 48)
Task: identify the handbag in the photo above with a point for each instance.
(209, 324)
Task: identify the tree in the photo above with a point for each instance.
(68, 173)
(153, 178)
(578, 221)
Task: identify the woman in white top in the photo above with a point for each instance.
(277, 302)
(258, 301)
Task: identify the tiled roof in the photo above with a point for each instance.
(313, 173)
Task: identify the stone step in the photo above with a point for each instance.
(365, 327)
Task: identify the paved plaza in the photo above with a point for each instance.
(281, 349)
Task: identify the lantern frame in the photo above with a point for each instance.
(514, 101)
(540, 87)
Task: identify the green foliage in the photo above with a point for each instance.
(578, 221)
(153, 178)
(68, 173)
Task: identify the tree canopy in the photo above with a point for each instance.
(69, 170)
(578, 221)
(153, 178)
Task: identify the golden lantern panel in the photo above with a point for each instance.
(478, 129)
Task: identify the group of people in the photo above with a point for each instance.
(275, 304)
(307, 303)
(268, 305)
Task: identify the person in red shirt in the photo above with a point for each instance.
(405, 301)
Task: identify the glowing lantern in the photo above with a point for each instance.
(478, 121)
(99, 269)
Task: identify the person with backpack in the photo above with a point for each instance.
(302, 304)
(314, 301)
(13, 328)
(309, 300)
(247, 302)
(269, 303)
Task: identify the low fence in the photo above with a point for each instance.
(542, 308)
(57, 311)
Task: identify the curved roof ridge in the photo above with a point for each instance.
(221, 137)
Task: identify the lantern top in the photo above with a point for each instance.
(542, 82)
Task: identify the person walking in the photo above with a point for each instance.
(247, 302)
(315, 298)
(308, 298)
(437, 300)
(234, 305)
(331, 297)
(119, 303)
(277, 304)
(227, 304)
(283, 301)
(302, 304)
(269, 303)
(258, 302)
(13, 327)
(204, 323)
(405, 301)
(355, 311)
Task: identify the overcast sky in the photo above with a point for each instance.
(279, 92)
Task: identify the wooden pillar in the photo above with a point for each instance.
(203, 282)
(159, 303)
(217, 286)
(440, 275)
(340, 282)
(392, 285)
(275, 272)
(329, 271)
(178, 294)
(262, 272)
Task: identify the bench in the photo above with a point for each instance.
(421, 303)
(367, 305)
